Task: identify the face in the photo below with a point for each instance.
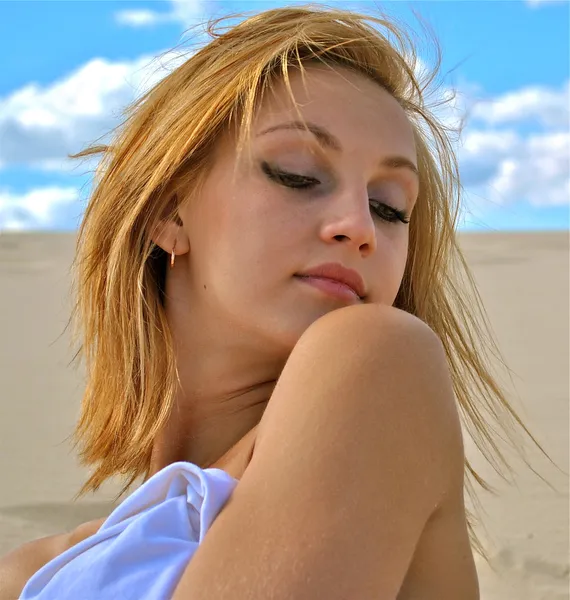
(250, 236)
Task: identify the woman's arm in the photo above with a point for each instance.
(359, 446)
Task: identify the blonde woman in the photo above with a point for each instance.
(281, 335)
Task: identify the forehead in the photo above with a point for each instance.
(352, 106)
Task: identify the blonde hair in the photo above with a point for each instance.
(165, 146)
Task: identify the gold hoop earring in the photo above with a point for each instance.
(172, 255)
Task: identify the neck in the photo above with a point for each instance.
(202, 437)
(226, 376)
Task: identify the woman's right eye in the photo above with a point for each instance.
(290, 180)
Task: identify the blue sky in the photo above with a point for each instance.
(69, 68)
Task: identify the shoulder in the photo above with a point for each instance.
(18, 566)
(371, 324)
(372, 342)
(383, 347)
(376, 369)
(402, 361)
(392, 365)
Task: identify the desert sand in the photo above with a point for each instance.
(524, 283)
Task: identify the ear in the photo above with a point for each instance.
(166, 233)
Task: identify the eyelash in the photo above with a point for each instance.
(301, 183)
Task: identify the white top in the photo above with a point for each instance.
(141, 550)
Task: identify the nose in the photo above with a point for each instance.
(350, 221)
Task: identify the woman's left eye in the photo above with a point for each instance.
(301, 182)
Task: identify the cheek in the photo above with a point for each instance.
(392, 258)
(212, 236)
(268, 227)
(245, 233)
(401, 256)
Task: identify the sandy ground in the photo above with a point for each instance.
(524, 282)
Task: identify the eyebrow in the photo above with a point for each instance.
(328, 140)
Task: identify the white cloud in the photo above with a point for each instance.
(505, 167)
(142, 17)
(188, 11)
(548, 107)
(516, 147)
(185, 12)
(50, 207)
(537, 3)
(39, 126)
(539, 172)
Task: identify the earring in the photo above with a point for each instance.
(172, 255)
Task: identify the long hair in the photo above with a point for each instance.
(165, 144)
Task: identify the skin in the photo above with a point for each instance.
(233, 304)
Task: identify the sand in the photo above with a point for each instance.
(524, 282)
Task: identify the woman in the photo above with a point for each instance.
(276, 332)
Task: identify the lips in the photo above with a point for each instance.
(336, 272)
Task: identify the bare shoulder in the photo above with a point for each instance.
(368, 312)
(371, 319)
(370, 327)
(397, 356)
(18, 566)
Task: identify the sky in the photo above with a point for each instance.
(69, 68)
